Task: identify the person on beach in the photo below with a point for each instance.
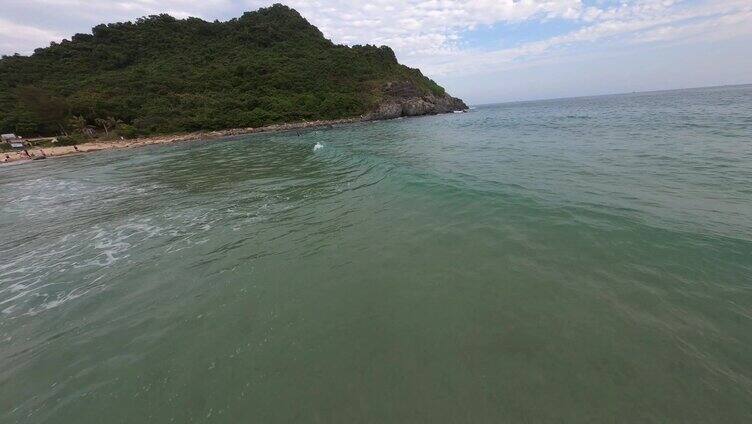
(76, 148)
(7, 158)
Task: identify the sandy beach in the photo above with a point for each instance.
(95, 146)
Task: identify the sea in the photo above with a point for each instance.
(573, 260)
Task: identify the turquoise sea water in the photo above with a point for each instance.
(581, 260)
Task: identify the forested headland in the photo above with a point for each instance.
(162, 75)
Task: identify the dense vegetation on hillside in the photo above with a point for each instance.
(160, 74)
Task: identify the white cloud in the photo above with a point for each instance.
(425, 33)
(624, 24)
(13, 34)
(417, 25)
(715, 28)
(424, 26)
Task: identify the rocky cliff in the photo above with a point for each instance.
(404, 98)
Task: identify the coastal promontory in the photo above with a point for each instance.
(162, 75)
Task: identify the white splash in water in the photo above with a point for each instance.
(318, 146)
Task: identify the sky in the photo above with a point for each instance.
(483, 51)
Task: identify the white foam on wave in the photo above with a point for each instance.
(48, 196)
(36, 280)
(57, 301)
(36, 277)
(115, 244)
(318, 146)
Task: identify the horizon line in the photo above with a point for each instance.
(663, 90)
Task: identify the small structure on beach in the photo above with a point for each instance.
(15, 141)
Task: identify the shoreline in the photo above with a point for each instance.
(96, 146)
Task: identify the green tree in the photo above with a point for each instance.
(44, 109)
(108, 124)
(78, 123)
(114, 122)
(104, 124)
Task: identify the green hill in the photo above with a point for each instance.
(162, 75)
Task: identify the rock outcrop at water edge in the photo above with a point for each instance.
(406, 99)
